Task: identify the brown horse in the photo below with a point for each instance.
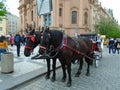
(68, 49)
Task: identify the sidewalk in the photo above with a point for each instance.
(24, 69)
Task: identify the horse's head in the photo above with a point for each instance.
(45, 41)
(32, 40)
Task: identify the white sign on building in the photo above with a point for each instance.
(44, 7)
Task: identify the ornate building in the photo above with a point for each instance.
(71, 16)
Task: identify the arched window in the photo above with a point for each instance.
(86, 18)
(74, 17)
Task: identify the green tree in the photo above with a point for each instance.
(109, 28)
(3, 10)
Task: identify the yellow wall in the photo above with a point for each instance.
(4, 27)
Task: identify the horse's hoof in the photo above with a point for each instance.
(63, 79)
(53, 79)
(69, 84)
(87, 74)
(47, 77)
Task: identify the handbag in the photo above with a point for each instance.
(118, 45)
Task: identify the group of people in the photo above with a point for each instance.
(17, 40)
(114, 46)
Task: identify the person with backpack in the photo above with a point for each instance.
(117, 46)
(17, 41)
(111, 44)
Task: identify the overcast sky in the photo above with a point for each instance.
(113, 4)
(12, 6)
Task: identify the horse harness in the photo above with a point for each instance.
(65, 45)
(32, 38)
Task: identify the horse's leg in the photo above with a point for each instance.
(69, 74)
(80, 67)
(88, 67)
(64, 69)
(48, 69)
(54, 67)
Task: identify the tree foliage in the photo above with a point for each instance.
(109, 28)
(3, 10)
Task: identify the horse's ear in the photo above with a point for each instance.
(33, 30)
(42, 28)
(39, 28)
(26, 30)
(47, 29)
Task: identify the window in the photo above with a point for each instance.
(0, 28)
(32, 15)
(74, 17)
(60, 11)
(86, 18)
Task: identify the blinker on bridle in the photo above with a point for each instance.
(32, 38)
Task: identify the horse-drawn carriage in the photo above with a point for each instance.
(96, 47)
(66, 49)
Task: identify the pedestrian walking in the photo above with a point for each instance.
(11, 40)
(111, 45)
(102, 43)
(117, 46)
(17, 41)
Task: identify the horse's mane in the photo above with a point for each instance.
(56, 36)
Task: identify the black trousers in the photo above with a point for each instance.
(18, 49)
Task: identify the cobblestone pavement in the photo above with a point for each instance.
(105, 77)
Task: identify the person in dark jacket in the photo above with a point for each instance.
(117, 46)
(23, 39)
(17, 41)
(111, 46)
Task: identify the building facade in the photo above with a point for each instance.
(71, 16)
(13, 25)
(3, 26)
(9, 24)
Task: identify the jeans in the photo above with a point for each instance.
(112, 48)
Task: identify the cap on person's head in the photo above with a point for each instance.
(98, 34)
